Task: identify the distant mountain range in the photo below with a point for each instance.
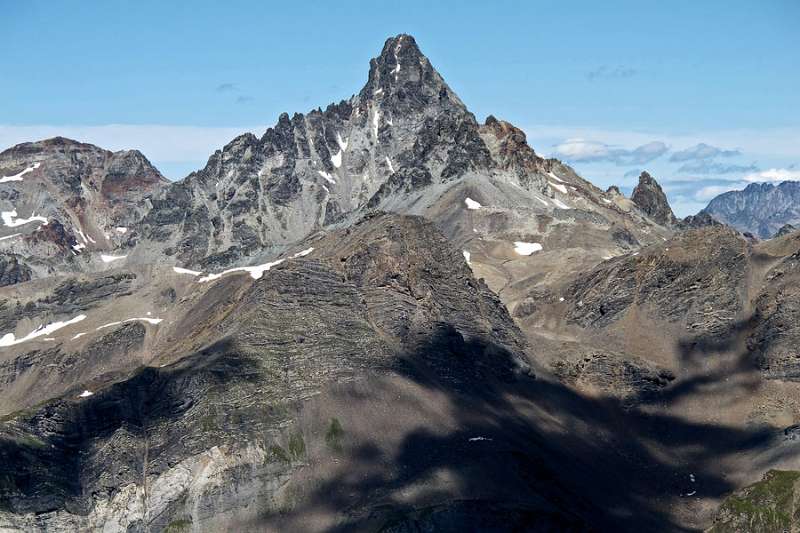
(761, 208)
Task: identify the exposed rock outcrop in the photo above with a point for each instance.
(68, 201)
(650, 198)
(786, 229)
(761, 208)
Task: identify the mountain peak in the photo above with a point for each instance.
(402, 73)
(761, 208)
(400, 48)
(650, 198)
(759, 187)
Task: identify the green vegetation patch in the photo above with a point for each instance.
(179, 526)
(277, 453)
(297, 446)
(334, 435)
(768, 505)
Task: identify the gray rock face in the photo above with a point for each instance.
(70, 296)
(699, 287)
(69, 200)
(398, 145)
(761, 208)
(777, 334)
(786, 229)
(700, 220)
(650, 198)
(624, 377)
(12, 270)
(310, 170)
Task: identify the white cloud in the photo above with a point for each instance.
(774, 148)
(776, 142)
(579, 149)
(774, 174)
(711, 191)
(582, 150)
(701, 151)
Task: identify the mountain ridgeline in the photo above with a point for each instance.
(386, 316)
(762, 209)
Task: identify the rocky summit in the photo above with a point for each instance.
(651, 199)
(386, 316)
(762, 209)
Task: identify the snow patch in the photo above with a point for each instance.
(606, 200)
(558, 187)
(560, 204)
(303, 253)
(337, 159)
(376, 93)
(10, 219)
(526, 248)
(78, 247)
(10, 236)
(375, 120)
(153, 321)
(255, 271)
(179, 270)
(85, 394)
(327, 176)
(389, 163)
(108, 258)
(396, 70)
(342, 143)
(541, 200)
(78, 335)
(121, 230)
(9, 339)
(86, 239)
(467, 255)
(476, 439)
(472, 204)
(555, 177)
(561, 299)
(18, 176)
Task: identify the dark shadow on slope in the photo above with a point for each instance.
(592, 469)
(527, 455)
(739, 369)
(43, 457)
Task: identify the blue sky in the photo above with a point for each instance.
(611, 87)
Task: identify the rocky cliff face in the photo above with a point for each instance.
(650, 198)
(63, 202)
(404, 143)
(761, 208)
(786, 229)
(405, 129)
